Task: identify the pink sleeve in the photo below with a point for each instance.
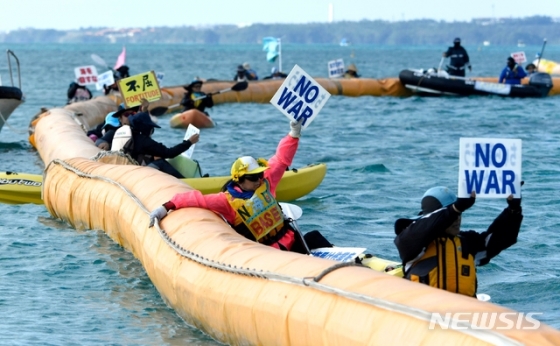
(280, 161)
(216, 202)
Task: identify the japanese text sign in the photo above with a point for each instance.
(138, 87)
(86, 75)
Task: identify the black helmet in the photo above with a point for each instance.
(457, 40)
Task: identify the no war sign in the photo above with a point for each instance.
(489, 166)
(300, 96)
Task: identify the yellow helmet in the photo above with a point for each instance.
(247, 165)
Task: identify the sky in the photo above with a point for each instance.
(75, 14)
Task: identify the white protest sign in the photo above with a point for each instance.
(519, 57)
(489, 166)
(336, 68)
(159, 77)
(106, 78)
(341, 254)
(191, 130)
(86, 75)
(300, 96)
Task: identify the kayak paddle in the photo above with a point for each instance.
(239, 86)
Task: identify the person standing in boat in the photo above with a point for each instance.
(195, 98)
(248, 199)
(434, 250)
(458, 59)
(512, 73)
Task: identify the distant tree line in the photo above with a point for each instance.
(530, 30)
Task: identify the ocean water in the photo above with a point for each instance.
(60, 286)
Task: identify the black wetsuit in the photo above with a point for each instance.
(458, 60)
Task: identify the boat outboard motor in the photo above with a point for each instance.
(541, 81)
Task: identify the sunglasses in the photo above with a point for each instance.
(254, 177)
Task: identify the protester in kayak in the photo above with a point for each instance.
(148, 152)
(108, 129)
(351, 72)
(241, 74)
(77, 93)
(512, 73)
(249, 72)
(120, 73)
(458, 59)
(195, 98)
(275, 74)
(435, 252)
(248, 200)
(116, 121)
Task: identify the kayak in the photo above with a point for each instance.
(432, 83)
(194, 117)
(21, 188)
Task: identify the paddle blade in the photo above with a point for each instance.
(98, 60)
(158, 111)
(240, 86)
(292, 211)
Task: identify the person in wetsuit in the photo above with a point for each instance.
(458, 59)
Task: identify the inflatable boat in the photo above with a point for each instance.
(431, 83)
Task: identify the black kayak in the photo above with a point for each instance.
(431, 83)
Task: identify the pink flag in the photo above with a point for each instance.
(120, 59)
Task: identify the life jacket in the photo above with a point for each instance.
(259, 217)
(444, 265)
(196, 103)
(122, 135)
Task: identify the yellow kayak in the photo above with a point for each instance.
(21, 188)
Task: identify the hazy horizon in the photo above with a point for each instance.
(73, 14)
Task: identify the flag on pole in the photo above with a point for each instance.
(270, 46)
(121, 59)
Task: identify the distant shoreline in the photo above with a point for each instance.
(496, 31)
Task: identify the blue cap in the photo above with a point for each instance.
(110, 120)
(436, 198)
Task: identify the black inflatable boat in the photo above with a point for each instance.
(432, 83)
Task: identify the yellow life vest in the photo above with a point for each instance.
(196, 103)
(444, 266)
(260, 214)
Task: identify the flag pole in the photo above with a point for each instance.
(280, 55)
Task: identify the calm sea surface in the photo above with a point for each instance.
(59, 286)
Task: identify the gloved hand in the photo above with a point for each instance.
(514, 204)
(158, 213)
(295, 128)
(470, 68)
(463, 204)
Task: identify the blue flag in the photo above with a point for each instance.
(270, 46)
